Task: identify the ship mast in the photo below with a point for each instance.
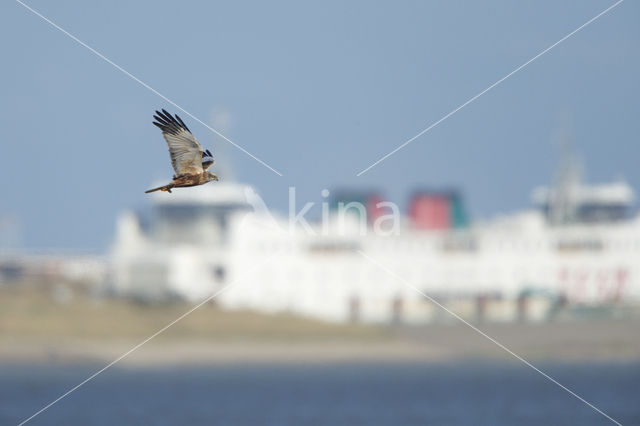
(221, 120)
(563, 202)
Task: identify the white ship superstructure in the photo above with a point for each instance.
(201, 240)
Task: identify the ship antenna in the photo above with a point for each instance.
(568, 176)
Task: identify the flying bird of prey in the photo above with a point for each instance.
(188, 159)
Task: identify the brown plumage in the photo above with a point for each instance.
(189, 160)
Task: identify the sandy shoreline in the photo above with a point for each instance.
(34, 330)
(602, 340)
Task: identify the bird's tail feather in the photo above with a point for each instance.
(161, 188)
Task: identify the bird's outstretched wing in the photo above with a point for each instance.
(207, 159)
(185, 150)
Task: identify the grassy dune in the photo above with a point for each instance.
(33, 313)
(36, 328)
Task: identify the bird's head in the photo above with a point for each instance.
(211, 176)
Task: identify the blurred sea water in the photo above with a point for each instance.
(460, 393)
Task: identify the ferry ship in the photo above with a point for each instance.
(577, 247)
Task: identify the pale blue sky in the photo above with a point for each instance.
(319, 90)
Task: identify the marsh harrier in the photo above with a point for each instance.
(188, 159)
